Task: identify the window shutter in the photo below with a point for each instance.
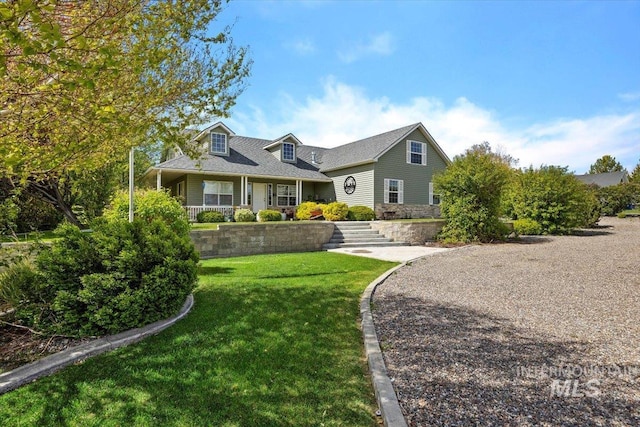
(386, 190)
(408, 151)
(424, 154)
(400, 192)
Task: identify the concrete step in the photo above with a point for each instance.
(362, 245)
(373, 239)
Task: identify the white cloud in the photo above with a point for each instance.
(346, 113)
(629, 96)
(301, 46)
(378, 44)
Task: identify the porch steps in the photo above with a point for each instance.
(351, 234)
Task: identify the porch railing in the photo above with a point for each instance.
(193, 211)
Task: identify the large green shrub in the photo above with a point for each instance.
(210, 216)
(361, 213)
(304, 210)
(244, 215)
(119, 276)
(267, 215)
(471, 189)
(553, 198)
(335, 211)
(149, 205)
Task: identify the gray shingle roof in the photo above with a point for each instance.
(364, 150)
(604, 179)
(247, 156)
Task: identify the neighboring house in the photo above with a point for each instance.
(604, 179)
(390, 173)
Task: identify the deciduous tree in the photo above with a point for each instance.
(606, 164)
(84, 81)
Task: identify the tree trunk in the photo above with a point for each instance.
(48, 190)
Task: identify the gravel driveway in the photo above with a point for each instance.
(542, 332)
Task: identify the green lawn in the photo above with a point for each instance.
(272, 340)
(29, 237)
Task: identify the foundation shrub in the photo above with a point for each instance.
(244, 215)
(210, 216)
(361, 213)
(267, 215)
(335, 211)
(305, 209)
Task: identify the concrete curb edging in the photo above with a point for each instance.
(50, 364)
(385, 394)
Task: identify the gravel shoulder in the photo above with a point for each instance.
(541, 332)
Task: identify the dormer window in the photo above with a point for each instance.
(219, 144)
(288, 152)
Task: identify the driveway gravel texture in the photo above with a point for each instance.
(543, 332)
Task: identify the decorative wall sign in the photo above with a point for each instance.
(349, 185)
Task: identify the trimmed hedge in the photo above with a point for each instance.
(361, 213)
(335, 211)
(305, 209)
(267, 215)
(244, 215)
(210, 216)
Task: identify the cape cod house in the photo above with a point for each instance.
(390, 173)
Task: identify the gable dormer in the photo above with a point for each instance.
(285, 148)
(215, 139)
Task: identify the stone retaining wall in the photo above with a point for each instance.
(391, 211)
(415, 233)
(262, 238)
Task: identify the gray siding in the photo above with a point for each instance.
(363, 195)
(393, 164)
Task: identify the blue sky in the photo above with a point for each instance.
(548, 82)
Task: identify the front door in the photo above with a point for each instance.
(259, 197)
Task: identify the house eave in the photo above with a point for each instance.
(204, 172)
(350, 165)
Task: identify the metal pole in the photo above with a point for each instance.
(131, 184)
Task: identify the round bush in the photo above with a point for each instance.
(147, 206)
(267, 215)
(304, 210)
(335, 211)
(210, 216)
(244, 215)
(527, 226)
(121, 276)
(361, 213)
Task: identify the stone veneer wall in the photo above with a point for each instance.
(415, 233)
(262, 238)
(407, 211)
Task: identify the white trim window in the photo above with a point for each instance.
(269, 194)
(217, 193)
(288, 152)
(416, 152)
(219, 143)
(394, 191)
(286, 195)
(434, 199)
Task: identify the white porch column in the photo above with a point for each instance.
(242, 190)
(159, 180)
(298, 191)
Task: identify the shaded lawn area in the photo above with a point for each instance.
(272, 340)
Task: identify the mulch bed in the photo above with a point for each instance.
(19, 346)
